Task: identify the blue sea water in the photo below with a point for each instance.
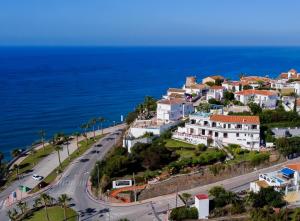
(59, 88)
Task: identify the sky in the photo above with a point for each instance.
(150, 22)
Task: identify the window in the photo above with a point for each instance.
(237, 134)
(191, 131)
(225, 135)
(210, 132)
(229, 125)
(216, 134)
(239, 126)
(254, 126)
(193, 121)
(205, 123)
(224, 125)
(203, 132)
(214, 124)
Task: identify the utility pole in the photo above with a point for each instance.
(134, 188)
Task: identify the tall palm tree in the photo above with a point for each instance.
(76, 134)
(16, 168)
(42, 135)
(58, 149)
(46, 200)
(12, 214)
(92, 123)
(16, 152)
(66, 140)
(22, 206)
(63, 201)
(85, 127)
(101, 120)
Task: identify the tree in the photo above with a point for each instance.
(182, 213)
(204, 107)
(101, 120)
(223, 197)
(63, 201)
(186, 197)
(296, 214)
(16, 168)
(16, 152)
(42, 135)
(46, 201)
(37, 203)
(12, 214)
(92, 123)
(218, 81)
(228, 95)
(58, 149)
(85, 127)
(247, 87)
(22, 206)
(76, 134)
(66, 140)
(214, 101)
(266, 197)
(255, 108)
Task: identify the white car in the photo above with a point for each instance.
(37, 177)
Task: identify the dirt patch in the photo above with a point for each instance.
(200, 178)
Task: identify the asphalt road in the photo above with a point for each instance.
(75, 178)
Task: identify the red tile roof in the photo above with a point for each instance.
(254, 79)
(235, 119)
(259, 92)
(172, 101)
(202, 196)
(178, 90)
(198, 86)
(294, 166)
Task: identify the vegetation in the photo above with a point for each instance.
(183, 213)
(287, 146)
(266, 197)
(145, 109)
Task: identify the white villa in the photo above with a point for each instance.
(170, 110)
(215, 92)
(286, 179)
(224, 129)
(264, 98)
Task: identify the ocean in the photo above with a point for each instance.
(59, 88)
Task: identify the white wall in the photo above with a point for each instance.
(202, 207)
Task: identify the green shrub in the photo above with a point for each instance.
(182, 213)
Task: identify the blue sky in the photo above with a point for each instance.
(150, 22)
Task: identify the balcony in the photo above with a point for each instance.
(222, 129)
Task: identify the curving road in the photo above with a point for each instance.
(75, 179)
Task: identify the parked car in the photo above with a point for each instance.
(37, 177)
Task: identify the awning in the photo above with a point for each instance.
(287, 172)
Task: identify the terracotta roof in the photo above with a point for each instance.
(262, 183)
(293, 71)
(294, 166)
(235, 119)
(172, 101)
(255, 79)
(216, 87)
(215, 77)
(202, 196)
(198, 86)
(259, 92)
(175, 95)
(176, 90)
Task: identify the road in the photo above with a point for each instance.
(75, 179)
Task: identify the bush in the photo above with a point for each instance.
(258, 158)
(182, 213)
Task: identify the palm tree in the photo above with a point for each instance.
(58, 149)
(22, 206)
(92, 123)
(42, 135)
(101, 120)
(85, 127)
(66, 140)
(63, 201)
(46, 200)
(16, 152)
(76, 134)
(37, 203)
(16, 168)
(12, 214)
(186, 197)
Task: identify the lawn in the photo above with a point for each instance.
(56, 213)
(83, 146)
(31, 160)
(185, 150)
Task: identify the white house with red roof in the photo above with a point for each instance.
(225, 129)
(202, 205)
(291, 74)
(215, 92)
(264, 98)
(173, 109)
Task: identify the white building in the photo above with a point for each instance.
(264, 98)
(226, 129)
(170, 110)
(202, 205)
(286, 180)
(215, 92)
